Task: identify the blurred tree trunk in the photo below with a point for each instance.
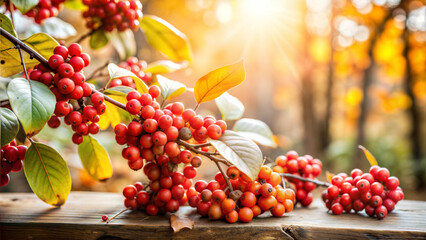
(415, 134)
(324, 131)
(307, 98)
(368, 79)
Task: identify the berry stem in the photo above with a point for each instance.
(228, 183)
(194, 148)
(318, 183)
(117, 214)
(43, 61)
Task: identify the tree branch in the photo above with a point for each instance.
(43, 61)
(84, 36)
(318, 183)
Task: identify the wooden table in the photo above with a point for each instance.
(24, 216)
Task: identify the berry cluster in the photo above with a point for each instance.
(43, 10)
(152, 136)
(113, 14)
(135, 66)
(249, 200)
(11, 160)
(304, 166)
(376, 192)
(66, 80)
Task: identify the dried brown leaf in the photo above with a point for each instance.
(178, 223)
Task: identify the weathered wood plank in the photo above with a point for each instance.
(23, 216)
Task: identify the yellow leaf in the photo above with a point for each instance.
(40, 42)
(329, 176)
(371, 159)
(166, 38)
(111, 115)
(218, 81)
(95, 159)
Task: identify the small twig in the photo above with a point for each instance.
(193, 148)
(108, 99)
(98, 70)
(22, 62)
(14, 47)
(318, 183)
(117, 214)
(84, 36)
(228, 183)
(11, 13)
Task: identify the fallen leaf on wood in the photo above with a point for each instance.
(179, 223)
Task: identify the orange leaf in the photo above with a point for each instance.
(329, 176)
(218, 81)
(371, 159)
(178, 223)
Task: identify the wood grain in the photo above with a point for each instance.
(23, 216)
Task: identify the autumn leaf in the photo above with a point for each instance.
(178, 223)
(218, 81)
(371, 159)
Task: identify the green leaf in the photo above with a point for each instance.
(75, 5)
(118, 72)
(256, 130)
(47, 174)
(218, 81)
(9, 126)
(230, 107)
(170, 88)
(241, 152)
(40, 42)
(53, 26)
(32, 102)
(166, 38)
(119, 91)
(124, 42)
(24, 5)
(98, 39)
(7, 25)
(95, 159)
(165, 66)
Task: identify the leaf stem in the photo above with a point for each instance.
(196, 107)
(318, 183)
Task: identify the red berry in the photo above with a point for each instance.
(74, 49)
(133, 106)
(66, 70)
(62, 51)
(77, 63)
(55, 61)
